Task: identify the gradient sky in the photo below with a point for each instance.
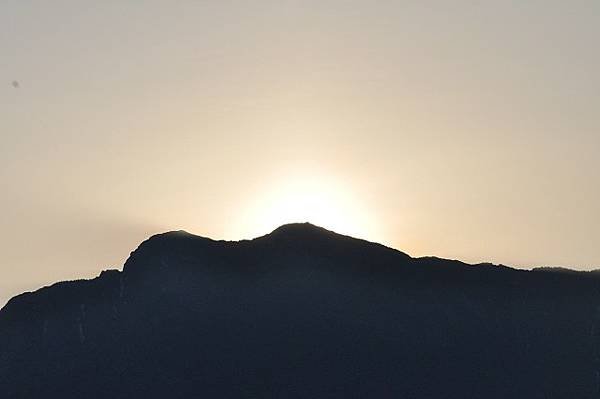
(461, 129)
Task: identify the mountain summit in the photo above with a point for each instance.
(302, 312)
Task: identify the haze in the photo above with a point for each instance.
(460, 129)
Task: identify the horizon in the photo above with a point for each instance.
(307, 225)
(463, 131)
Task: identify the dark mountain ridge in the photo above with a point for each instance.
(303, 312)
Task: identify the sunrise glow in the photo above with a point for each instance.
(307, 198)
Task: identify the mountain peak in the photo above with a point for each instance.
(301, 229)
(305, 296)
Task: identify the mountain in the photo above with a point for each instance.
(303, 313)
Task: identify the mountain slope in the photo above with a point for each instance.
(302, 313)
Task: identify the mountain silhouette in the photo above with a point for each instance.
(303, 312)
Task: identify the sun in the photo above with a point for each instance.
(314, 198)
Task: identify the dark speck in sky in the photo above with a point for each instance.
(15, 84)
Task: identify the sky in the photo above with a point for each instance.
(461, 129)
